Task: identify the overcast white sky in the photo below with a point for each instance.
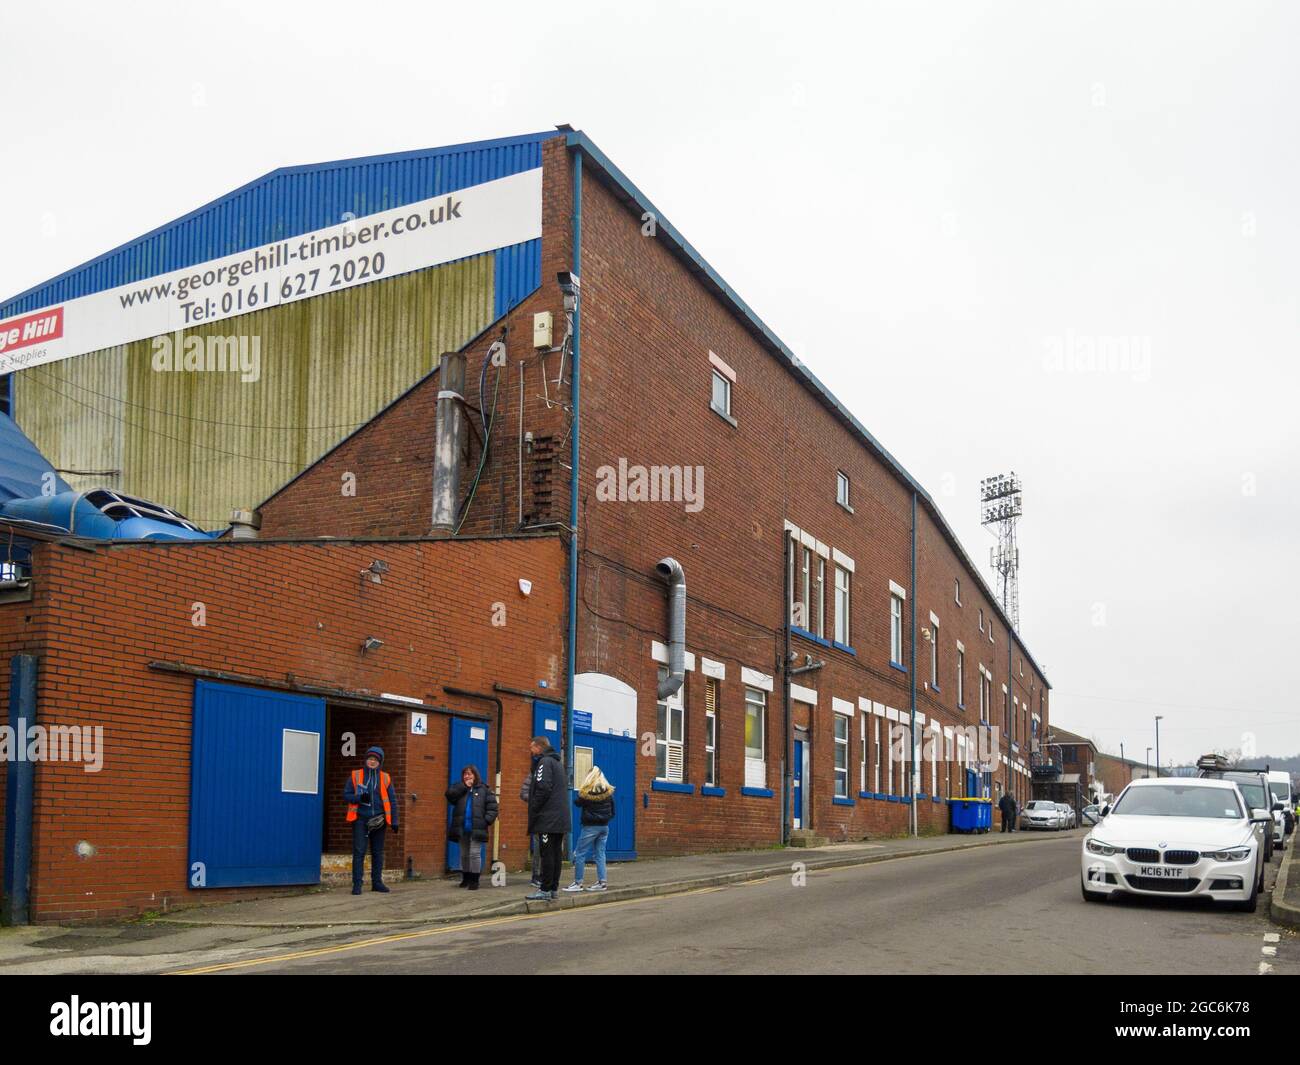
(939, 206)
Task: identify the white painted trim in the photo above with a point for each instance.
(947, 732)
(961, 647)
(808, 540)
(723, 368)
(897, 589)
(878, 709)
(804, 695)
(755, 679)
(1004, 689)
(934, 620)
(920, 718)
(841, 559)
(823, 550)
(659, 652)
(792, 528)
(842, 706)
(710, 668)
(1035, 717)
(891, 713)
(864, 705)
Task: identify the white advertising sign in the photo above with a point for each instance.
(467, 222)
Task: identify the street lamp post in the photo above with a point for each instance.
(1158, 717)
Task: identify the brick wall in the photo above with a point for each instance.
(287, 612)
(648, 326)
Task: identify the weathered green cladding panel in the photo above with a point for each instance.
(205, 442)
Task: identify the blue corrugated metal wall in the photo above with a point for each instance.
(297, 200)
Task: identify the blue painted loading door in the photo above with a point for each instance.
(469, 746)
(257, 770)
(616, 757)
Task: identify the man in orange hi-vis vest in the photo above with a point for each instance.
(372, 810)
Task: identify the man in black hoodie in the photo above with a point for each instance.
(548, 814)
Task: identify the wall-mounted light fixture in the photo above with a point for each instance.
(371, 643)
(375, 571)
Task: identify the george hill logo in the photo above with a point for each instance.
(24, 332)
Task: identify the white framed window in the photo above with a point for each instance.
(806, 587)
(961, 676)
(935, 739)
(981, 619)
(956, 590)
(721, 399)
(841, 756)
(862, 752)
(934, 653)
(819, 600)
(300, 762)
(896, 629)
(842, 579)
(711, 730)
(842, 490)
(755, 737)
(670, 734)
(875, 742)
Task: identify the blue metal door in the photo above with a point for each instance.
(469, 746)
(257, 765)
(616, 757)
(797, 798)
(547, 718)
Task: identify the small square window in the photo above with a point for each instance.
(721, 401)
(842, 490)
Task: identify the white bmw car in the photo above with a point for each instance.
(1186, 836)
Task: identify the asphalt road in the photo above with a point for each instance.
(988, 910)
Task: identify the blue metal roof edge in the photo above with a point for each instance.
(579, 141)
(283, 171)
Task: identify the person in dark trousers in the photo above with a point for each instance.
(474, 809)
(372, 810)
(534, 844)
(548, 814)
(1007, 805)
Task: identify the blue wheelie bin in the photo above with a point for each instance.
(971, 814)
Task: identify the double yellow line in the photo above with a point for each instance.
(400, 937)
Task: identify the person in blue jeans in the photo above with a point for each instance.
(596, 801)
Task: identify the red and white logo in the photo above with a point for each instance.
(33, 329)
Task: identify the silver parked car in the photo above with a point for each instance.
(1068, 819)
(1040, 814)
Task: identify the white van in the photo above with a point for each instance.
(1279, 783)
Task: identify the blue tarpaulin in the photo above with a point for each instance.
(23, 469)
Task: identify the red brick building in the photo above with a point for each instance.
(125, 634)
(829, 612)
(684, 389)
